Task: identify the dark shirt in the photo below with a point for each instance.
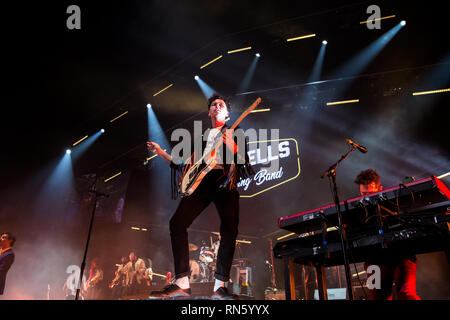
(6, 260)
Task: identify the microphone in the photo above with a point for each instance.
(357, 146)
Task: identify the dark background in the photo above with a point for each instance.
(62, 84)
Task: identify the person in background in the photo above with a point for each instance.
(7, 256)
(399, 270)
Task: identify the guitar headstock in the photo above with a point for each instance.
(246, 112)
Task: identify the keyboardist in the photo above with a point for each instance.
(402, 270)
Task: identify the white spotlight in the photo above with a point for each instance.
(68, 151)
(324, 41)
(149, 105)
(102, 131)
(196, 77)
(403, 22)
(258, 55)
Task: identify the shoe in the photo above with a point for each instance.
(170, 291)
(223, 294)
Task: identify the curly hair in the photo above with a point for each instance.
(368, 176)
(216, 96)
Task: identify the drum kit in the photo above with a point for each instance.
(202, 270)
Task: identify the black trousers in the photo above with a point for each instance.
(190, 207)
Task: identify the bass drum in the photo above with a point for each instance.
(196, 275)
(199, 271)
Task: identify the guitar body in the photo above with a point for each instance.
(196, 172)
(195, 175)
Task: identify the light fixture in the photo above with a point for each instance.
(68, 151)
(119, 116)
(342, 102)
(403, 22)
(238, 50)
(301, 37)
(324, 42)
(85, 137)
(163, 89)
(258, 55)
(196, 77)
(213, 60)
(117, 174)
(102, 131)
(430, 92)
(378, 19)
(149, 105)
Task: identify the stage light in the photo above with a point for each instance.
(302, 37)
(207, 90)
(68, 151)
(342, 102)
(196, 77)
(403, 22)
(135, 228)
(119, 116)
(373, 20)
(444, 175)
(324, 42)
(102, 131)
(238, 50)
(260, 110)
(163, 89)
(149, 105)
(117, 174)
(285, 236)
(258, 55)
(85, 137)
(213, 60)
(430, 92)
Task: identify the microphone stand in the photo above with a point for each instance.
(83, 263)
(331, 174)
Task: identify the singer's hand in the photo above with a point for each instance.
(229, 141)
(154, 147)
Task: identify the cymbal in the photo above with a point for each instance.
(192, 247)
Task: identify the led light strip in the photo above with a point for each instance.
(373, 20)
(79, 141)
(155, 155)
(117, 174)
(118, 116)
(238, 50)
(213, 60)
(163, 89)
(342, 102)
(430, 92)
(444, 175)
(302, 37)
(285, 236)
(260, 110)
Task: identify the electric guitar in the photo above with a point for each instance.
(149, 275)
(196, 172)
